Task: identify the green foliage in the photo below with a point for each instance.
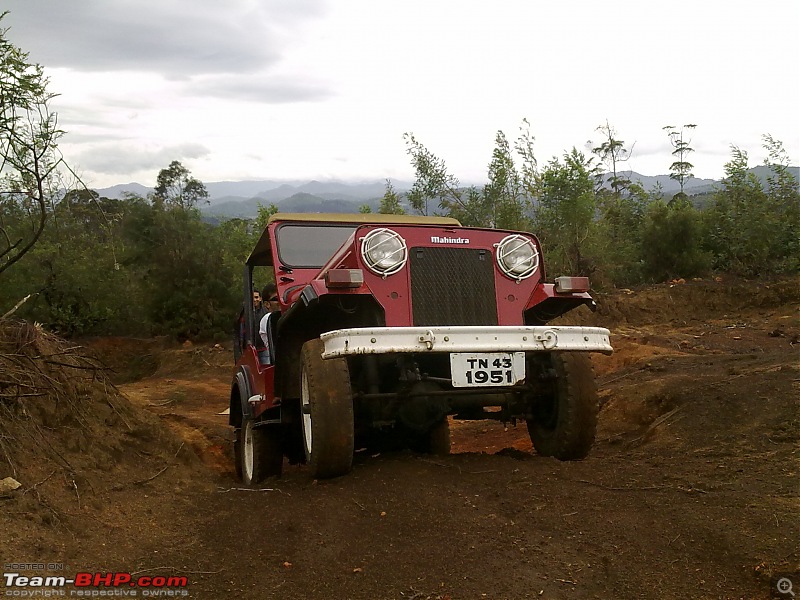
(529, 167)
(620, 223)
(390, 203)
(672, 242)
(783, 193)
(749, 229)
(620, 215)
(130, 266)
(175, 187)
(432, 183)
(29, 160)
(260, 223)
(78, 260)
(75, 270)
(472, 210)
(565, 215)
(235, 238)
(612, 153)
(503, 197)
(502, 203)
(188, 292)
(681, 168)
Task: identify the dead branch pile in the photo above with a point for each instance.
(35, 363)
(57, 406)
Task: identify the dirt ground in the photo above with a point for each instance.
(691, 490)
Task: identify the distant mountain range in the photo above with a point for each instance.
(240, 199)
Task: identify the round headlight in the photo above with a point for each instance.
(517, 257)
(384, 251)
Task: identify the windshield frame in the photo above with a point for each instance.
(347, 230)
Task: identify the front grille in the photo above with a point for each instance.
(452, 286)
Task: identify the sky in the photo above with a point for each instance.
(325, 89)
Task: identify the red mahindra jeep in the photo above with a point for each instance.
(388, 324)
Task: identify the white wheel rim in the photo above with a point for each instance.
(247, 451)
(305, 409)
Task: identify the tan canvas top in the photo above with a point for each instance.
(365, 218)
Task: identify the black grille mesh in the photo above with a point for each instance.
(452, 286)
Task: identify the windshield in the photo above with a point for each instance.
(305, 246)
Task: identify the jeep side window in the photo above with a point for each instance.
(307, 246)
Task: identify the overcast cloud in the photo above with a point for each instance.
(254, 88)
(121, 158)
(302, 89)
(174, 38)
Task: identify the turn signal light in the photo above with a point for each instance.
(572, 284)
(344, 278)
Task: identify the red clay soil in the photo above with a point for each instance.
(691, 490)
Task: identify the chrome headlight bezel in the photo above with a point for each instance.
(389, 263)
(508, 247)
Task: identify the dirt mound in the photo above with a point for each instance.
(69, 438)
(126, 359)
(689, 301)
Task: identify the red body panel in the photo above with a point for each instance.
(393, 293)
(547, 290)
(262, 380)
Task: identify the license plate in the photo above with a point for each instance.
(486, 368)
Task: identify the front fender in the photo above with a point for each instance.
(546, 304)
(241, 390)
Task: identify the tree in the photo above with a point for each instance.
(30, 164)
(565, 213)
(75, 264)
(432, 180)
(175, 187)
(783, 192)
(782, 186)
(672, 242)
(619, 235)
(260, 223)
(529, 167)
(753, 229)
(502, 202)
(503, 196)
(621, 205)
(180, 258)
(612, 153)
(734, 218)
(390, 203)
(680, 169)
(187, 291)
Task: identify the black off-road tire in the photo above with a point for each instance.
(259, 452)
(565, 422)
(326, 404)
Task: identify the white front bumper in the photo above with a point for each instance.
(385, 340)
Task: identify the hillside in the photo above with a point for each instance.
(240, 199)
